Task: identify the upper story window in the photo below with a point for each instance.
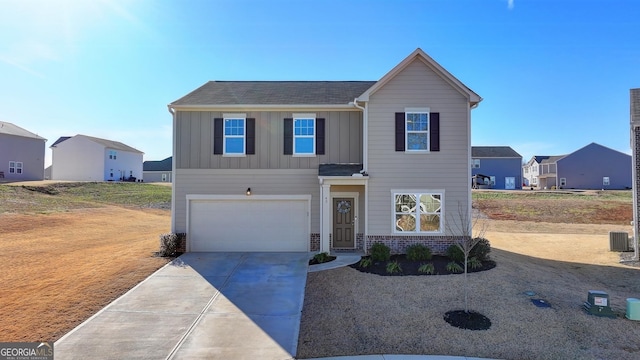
(113, 154)
(417, 131)
(15, 167)
(418, 212)
(304, 134)
(234, 135)
(475, 163)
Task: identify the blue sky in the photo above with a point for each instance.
(555, 75)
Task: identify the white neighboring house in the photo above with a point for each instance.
(86, 158)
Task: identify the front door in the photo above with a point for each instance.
(343, 225)
(509, 183)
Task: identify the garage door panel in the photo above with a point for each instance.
(248, 225)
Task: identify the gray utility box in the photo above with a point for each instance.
(598, 304)
(618, 241)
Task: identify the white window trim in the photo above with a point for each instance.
(395, 192)
(475, 162)
(300, 117)
(563, 181)
(424, 110)
(17, 168)
(226, 117)
(608, 182)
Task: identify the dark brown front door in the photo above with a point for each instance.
(343, 226)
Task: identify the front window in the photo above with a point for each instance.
(475, 163)
(605, 181)
(234, 136)
(563, 181)
(113, 154)
(417, 131)
(304, 135)
(418, 212)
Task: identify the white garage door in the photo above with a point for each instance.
(248, 224)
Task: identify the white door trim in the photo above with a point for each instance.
(356, 219)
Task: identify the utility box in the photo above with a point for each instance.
(633, 309)
(598, 304)
(618, 241)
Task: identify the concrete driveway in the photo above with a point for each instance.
(201, 306)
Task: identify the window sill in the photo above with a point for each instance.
(415, 152)
(303, 155)
(234, 155)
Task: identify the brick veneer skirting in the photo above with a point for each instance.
(399, 244)
(314, 242)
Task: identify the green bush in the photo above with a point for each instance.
(455, 253)
(481, 250)
(365, 262)
(474, 263)
(427, 269)
(454, 267)
(394, 267)
(380, 252)
(321, 257)
(418, 252)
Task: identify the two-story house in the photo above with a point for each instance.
(21, 153)
(88, 158)
(324, 165)
(501, 165)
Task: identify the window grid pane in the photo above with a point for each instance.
(424, 206)
(304, 136)
(417, 128)
(234, 136)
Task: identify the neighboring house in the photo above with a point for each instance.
(501, 164)
(591, 167)
(635, 151)
(87, 158)
(324, 165)
(157, 171)
(21, 153)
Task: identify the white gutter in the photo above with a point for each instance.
(365, 133)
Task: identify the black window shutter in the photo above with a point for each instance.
(288, 136)
(217, 136)
(319, 136)
(250, 145)
(434, 131)
(400, 131)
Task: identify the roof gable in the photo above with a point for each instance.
(219, 93)
(110, 144)
(15, 130)
(473, 98)
(494, 152)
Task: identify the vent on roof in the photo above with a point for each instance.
(618, 241)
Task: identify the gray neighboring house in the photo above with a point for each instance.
(324, 165)
(157, 171)
(501, 164)
(21, 153)
(634, 104)
(591, 167)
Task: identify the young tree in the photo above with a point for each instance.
(462, 225)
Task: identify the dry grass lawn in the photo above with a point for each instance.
(61, 268)
(347, 312)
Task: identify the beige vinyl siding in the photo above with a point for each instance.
(236, 182)
(194, 141)
(417, 86)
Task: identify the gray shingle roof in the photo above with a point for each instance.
(161, 165)
(552, 159)
(12, 129)
(110, 144)
(275, 93)
(494, 152)
(339, 169)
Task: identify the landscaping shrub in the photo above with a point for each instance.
(474, 263)
(455, 253)
(169, 244)
(380, 252)
(394, 267)
(481, 250)
(322, 258)
(427, 269)
(365, 262)
(418, 252)
(454, 267)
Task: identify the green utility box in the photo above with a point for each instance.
(633, 309)
(598, 304)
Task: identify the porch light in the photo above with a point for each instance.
(248, 191)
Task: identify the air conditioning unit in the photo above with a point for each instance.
(618, 241)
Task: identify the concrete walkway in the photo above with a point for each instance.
(201, 306)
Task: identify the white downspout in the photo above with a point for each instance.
(173, 170)
(365, 165)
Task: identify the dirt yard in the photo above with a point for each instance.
(60, 268)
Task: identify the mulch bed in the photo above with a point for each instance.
(411, 267)
(467, 320)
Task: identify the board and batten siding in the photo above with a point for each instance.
(236, 182)
(194, 141)
(417, 86)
